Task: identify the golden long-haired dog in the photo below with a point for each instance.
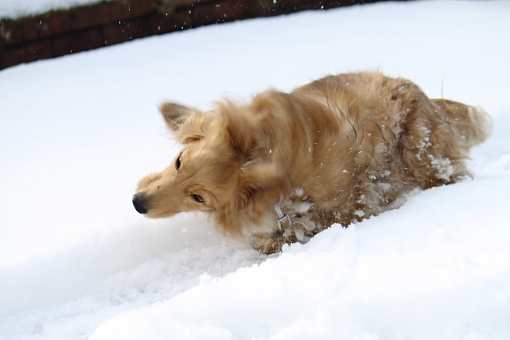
(288, 165)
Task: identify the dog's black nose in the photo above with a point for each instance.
(139, 203)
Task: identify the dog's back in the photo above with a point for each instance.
(431, 137)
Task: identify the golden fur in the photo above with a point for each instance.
(338, 150)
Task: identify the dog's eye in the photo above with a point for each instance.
(197, 198)
(178, 163)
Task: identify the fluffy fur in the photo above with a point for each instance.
(338, 150)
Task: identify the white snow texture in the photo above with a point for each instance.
(78, 132)
(15, 9)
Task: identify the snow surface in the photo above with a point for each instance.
(15, 9)
(78, 132)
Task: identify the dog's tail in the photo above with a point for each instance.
(473, 123)
(482, 123)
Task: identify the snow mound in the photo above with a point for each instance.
(427, 271)
(78, 132)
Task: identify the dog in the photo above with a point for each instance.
(288, 165)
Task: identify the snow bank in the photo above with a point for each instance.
(78, 132)
(437, 268)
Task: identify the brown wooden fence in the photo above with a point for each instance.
(84, 28)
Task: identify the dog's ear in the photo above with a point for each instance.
(175, 115)
(186, 123)
(241, 126)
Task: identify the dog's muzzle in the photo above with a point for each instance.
(139, 204)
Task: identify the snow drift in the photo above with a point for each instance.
(78, 132)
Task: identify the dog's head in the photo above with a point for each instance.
(217, 168)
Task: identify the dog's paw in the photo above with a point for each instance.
(271, 243)
(267, 246)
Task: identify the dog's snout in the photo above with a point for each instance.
(139, 204)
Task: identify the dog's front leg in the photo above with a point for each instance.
(270, 243)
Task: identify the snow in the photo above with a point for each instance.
(78, 132)
(15, 9)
